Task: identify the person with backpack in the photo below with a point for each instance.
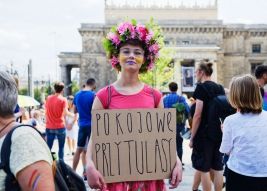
(206, 154)
(30, 161)
(169, 101)
(131, 53)
(244, 137)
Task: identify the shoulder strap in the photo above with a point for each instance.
(109, 96)
(153, 94)
(10, 182)
(179, 97)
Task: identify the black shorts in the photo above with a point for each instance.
(238, 182)
(206, 155)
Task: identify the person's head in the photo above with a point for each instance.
(36, 114)
(70, 100)
(133, 46)
(8, 95)
(204, 69)
(90, 82)
(187, 72)
(42, 112)
(261, 73)
(245, 94)
(59, 87)
(173, 87)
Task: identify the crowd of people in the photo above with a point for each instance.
(132, 50)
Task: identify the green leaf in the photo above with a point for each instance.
(114, 30)
(134, 22)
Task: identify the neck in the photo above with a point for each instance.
(129, 79)
(261, 82)
(205, 78)
(5, 121)
(88, 88)
(58, 94)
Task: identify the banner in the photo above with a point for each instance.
(134, 144)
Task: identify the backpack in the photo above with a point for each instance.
(65, 178)
(218, 108)
(180, 112)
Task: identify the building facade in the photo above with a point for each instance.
(194, 33)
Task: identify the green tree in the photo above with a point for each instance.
(163, 71)
(23, 91)
(37, 94)
(74, 87)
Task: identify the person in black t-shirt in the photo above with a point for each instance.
(206, 154)
(261, 75)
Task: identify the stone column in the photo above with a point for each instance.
(214, 74)
(30, 80)
(66, 78)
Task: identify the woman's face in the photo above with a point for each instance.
(188, 72)
(70, 103)
(131, 57)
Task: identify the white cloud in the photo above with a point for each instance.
(244, 21)
(13, 35)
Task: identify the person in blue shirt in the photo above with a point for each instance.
(168, 101)
(82, 104)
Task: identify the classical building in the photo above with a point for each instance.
(194, 33)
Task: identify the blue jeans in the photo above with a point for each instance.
(61, 136)
(179, 142)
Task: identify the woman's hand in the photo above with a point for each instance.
(176, 174)
(191, 143)
(69, 127)
(94, 179)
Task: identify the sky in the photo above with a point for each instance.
(40, 29)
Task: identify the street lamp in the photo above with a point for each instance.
(12, 69)
(42, 82)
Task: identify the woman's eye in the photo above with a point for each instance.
(125, 52)
(137, 53)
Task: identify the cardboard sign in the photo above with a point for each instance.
(134, 144)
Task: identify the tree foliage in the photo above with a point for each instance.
(163, 71)
(74, 87)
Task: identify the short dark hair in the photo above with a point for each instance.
(90, 81)
(173, 86)
(260, 70)
(59, 86)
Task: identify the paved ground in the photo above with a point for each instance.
(188, 173)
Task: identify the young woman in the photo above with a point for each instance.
(244, 136)
(132, 49)
(71, 130)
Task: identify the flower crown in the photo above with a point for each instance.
(149, 34)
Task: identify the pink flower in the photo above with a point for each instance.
(150, 66)
(154, 48)
(141, 30)
(122, 28)
(114, 61)
(149, 36)
(114, 38)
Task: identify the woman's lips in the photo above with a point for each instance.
(130, 62)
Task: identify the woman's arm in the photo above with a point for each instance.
(94, 179)
(36, 177)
